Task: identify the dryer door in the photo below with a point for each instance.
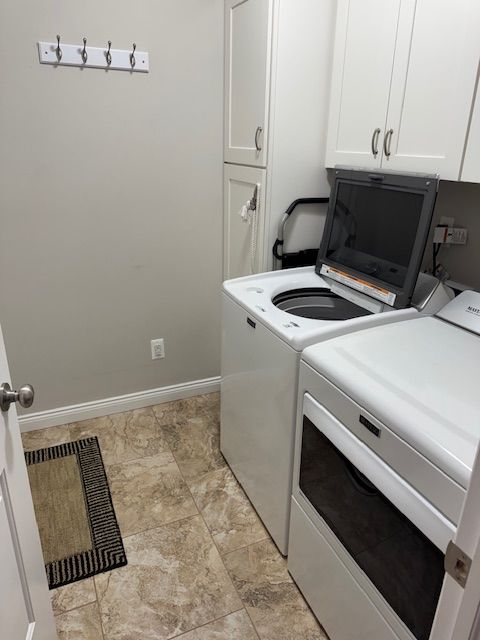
(402, 563)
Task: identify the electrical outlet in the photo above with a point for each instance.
(158, 348)
(449, 235)
(457, 235)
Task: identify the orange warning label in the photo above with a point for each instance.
(353, 282)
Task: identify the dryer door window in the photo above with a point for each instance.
(405, 567)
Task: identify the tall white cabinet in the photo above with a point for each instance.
(403, 79)
(277, 79)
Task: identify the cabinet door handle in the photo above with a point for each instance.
(257, 134)
(387, 141)
(375, 137)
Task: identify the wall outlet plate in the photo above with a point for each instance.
(157, 347)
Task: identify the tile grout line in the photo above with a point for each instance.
(169, 450)
(214, 544)
(245, 546)
(234, 586)
(205, 624)
(99, 609)
(204, 412)
(80, 606)
(159, 526)
(220, 555)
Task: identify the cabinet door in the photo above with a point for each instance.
(471, 163)
(362, 68)
(243, 240)
(248, 28)
(433, 81)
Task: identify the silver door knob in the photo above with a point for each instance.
(24, 396)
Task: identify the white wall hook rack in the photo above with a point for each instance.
(81, 55)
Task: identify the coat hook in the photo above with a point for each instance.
(84, 51)
(108, 55)
(58, 51)
(132, 55)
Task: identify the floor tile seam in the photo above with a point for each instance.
(223, 564)
(184, 633)
(80, 606)
(205, 475)
(201, 412)
(222, 559)
(165, 449)
(160, 526)
(99, 608)
(115, 464)
(219, 554)
(245, 546)
(108, 416)
(231, 579)
(262, 539)
(224, 553)
(290, 581)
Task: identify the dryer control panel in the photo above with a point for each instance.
(463, 311)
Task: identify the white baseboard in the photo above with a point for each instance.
(98, 408)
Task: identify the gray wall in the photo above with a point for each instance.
(110, 198)
(462, 202)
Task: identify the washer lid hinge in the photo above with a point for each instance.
(457, 564)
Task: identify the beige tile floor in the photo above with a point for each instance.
(201, 566)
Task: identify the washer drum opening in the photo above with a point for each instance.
(318, 303)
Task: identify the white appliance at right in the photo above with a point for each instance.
(388, 425)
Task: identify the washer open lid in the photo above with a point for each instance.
(376, 231)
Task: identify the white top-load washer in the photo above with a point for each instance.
(367, 274)
(387, 431)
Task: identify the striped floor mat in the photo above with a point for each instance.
(78, 528)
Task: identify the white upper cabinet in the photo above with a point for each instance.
(432, 52)
(362, 63)
(432, 86)
(248, 27)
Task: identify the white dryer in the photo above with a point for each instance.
(367, 274)
(387, 431)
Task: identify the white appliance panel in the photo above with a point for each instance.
(255, 293)
(420, 373)
(259, 378)
(439, 489)
(258, 401)
(398, 491)
(330, 587)
(329, 577)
